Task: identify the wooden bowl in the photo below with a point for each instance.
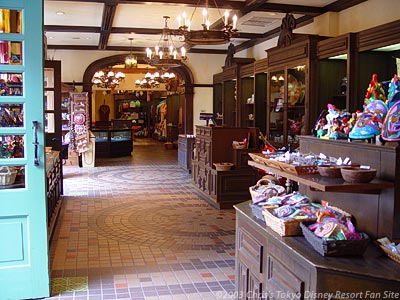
(329, 171)
(357, 175)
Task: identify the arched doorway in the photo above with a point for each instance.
(183, 71)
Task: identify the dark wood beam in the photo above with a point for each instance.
(293, 9)
(106, 22)
(62, 28)
(340, 5)
(138, 51)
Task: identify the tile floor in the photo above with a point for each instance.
(134, 228)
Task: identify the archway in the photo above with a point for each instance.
(183, 71)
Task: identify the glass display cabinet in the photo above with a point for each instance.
(291, 88)
(287, 105)
(247, 103)
(113, 143)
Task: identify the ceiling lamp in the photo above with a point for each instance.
(130, 60)
(207, 36)
(154, 80)
(107, 79)
(165, 54)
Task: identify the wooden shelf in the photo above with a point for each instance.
(326, 184)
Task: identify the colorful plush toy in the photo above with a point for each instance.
(374, 91)
(394, 91)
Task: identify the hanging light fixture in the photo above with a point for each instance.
(207, 36)
(107, 78)
(153, 80)
(130, 60)
(165, 54)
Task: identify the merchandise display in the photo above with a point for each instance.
(79, 123)
(379, 117)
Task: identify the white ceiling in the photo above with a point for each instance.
(81, 21)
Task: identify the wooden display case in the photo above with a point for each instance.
(214, 145)
(227, 92)
(247, 104)
(291, 90)
(336, 72)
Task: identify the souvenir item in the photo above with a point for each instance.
(79, 119)
(374, 91)
(391, 124)
(369, 124)
(394, 91)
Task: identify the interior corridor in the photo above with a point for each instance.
(134, 228)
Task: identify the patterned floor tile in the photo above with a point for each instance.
(134, 228)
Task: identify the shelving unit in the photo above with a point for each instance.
(268, 264)
(52, 92)
(326, 184)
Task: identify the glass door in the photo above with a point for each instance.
(24, 265)
(276, 108)
(296, 92)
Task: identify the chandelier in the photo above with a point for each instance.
(154, 80)
(130, 60)
(107, 78)
(207, 36)
(165, 54)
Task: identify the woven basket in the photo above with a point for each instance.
(223, 166)
(281, 226)
(336, 247)
(390, 254)
(271, 191)
(7, 175)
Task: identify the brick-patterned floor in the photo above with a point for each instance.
(134, 228)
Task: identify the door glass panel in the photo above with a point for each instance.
(10, 53)
(10, 21)
(49, 100)
(11, 84)
(11, 115)
(277, 83)
(11, 146)
(49, 78)
(296, 97)
(49, 122)
(12, 177)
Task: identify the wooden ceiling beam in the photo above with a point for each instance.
(106, 22)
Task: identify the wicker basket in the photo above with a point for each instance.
(390, 254)
(298, 170)
(223, 166)
(270, 191)
(7, 175)
(281, 226)
(336, 247)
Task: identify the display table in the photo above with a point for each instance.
(289, 268)
(185, 151)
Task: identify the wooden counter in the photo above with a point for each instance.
(268, 264)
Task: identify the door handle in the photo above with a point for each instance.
(35, 141)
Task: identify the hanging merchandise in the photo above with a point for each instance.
(79, 122)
